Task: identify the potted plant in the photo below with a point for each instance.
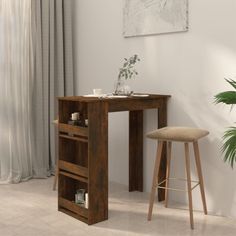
(229, 137)
(127, 71)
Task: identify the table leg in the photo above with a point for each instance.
(98, 162)
(136, 151)
(162, 122)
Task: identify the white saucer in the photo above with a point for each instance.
(94, 95)
(139, 95)
(116, 96)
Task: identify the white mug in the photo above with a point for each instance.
(97, 91)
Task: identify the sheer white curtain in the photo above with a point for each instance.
(36, 66)
(16, 147)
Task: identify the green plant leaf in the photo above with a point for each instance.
(229, 146)
(128, 71)
(231, 82)
(228, 97)
(229, 138)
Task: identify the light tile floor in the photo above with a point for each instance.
(30, 209)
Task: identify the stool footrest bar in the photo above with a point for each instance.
(195, 186)
(176, 189)
(182, 179)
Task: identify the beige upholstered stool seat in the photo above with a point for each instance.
(181, 134)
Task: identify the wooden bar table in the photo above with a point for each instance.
(83, 151)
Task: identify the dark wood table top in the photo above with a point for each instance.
(129, 103)
(110, 99)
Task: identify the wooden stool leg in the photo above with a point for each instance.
(200, 177)
(55, 178)
(169, 145)
(187, 161)
(155, 178)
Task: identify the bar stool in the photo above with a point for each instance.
(178, 134)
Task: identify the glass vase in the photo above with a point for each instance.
(121, 88)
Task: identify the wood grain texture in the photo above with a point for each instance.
(162, 122)
(169, 149)
(68, 186)
(83, 100)
(73, 207)
(136, 151)
(84, 156)
(67, 107)
(75, 215)
(98, 162)
(133, 104)
(74, 169)
(72, 176)
(154, 178)
(73, 130)
(200, 176)
(80, 139)
(73, 152)
(188, 173)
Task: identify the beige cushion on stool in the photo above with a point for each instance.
(182, 134)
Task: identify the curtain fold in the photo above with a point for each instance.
(53, 72)
(36, 67)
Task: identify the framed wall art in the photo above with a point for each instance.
(147, 17)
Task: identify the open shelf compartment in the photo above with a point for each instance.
(74, 155)
(73, 132)
(66, 196)
(66, 108)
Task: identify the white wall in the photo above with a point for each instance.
(189, 66)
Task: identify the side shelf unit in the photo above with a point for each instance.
(83, 160)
